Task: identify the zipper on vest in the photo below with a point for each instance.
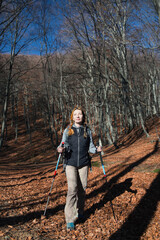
(78, 132)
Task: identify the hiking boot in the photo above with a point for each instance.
(70, 226)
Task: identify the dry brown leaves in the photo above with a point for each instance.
(125, 207)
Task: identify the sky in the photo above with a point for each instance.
(45, 28)
(34, 28)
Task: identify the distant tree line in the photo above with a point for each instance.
(103, 55)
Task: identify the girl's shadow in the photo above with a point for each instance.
(110, 193)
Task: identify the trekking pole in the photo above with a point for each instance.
(54, 175)
(100, 154)
(105, 176)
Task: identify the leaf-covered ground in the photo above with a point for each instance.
(124, 207)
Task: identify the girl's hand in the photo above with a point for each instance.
(60, 149)
(99, 149)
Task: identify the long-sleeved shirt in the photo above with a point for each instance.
(92, 148)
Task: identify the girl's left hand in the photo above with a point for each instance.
(99, 149)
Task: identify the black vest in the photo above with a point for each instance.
(78, 155)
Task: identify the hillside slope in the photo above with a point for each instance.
(125, 207)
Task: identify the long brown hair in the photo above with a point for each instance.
(70, 130)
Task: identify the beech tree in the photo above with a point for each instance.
(104, 36)
(104, 57)
(46, 27)
(157, 7)
(16, 37)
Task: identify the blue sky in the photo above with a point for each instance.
(48, 16)
(30, 33)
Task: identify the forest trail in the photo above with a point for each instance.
(132, 189)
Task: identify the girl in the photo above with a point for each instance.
(78, 142)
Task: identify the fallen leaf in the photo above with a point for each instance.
(43, 217)
(10, 226)
(29, 238)
(34, 221)
(1, 234)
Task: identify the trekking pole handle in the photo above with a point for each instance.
(100, 154)
(55, 172)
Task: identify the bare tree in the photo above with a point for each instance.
(16, 33)
(157, 7)
(108, 56)
(48, 48)
(103, 34)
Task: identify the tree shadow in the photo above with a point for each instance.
(139, 219)
(110, 171)
(117, 189)
(24, 155)
(21, 219)
(129, 167)
(125, 141)
(118, 166)
(34, 201)
(29, 181)
(134, 164)
(109, 195)
(12, 220)
(39, 174)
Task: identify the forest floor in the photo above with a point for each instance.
(125, 207)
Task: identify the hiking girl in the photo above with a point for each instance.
(78, 143)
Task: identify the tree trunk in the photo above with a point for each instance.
(5, 106)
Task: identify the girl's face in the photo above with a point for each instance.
(78, 116)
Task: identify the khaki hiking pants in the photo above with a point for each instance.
(77, 183)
